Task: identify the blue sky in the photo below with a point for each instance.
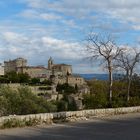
(38, 29)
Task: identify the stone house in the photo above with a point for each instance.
(59, 69)
(58, 73)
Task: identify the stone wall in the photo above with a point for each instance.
(71, 115)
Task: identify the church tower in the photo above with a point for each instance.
(50, 63)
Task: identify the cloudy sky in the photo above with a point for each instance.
(38, 29)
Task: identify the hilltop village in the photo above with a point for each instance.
(50, 80)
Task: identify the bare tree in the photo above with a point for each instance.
(127, 60)
(103, 48)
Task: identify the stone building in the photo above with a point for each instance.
(58, 73)
(59, 69)
(58, 79)
(12, 65)
(19, 65)
(50, 63)
(62, 73)
(1, 69)
(75, 79)
(35, 71)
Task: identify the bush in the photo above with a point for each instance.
(45, 88)
(46, 82)
(134, 101)
(13, 122)
(22, 102)
(62, 105)
(65, 89)
(35, 81)
(95, 101)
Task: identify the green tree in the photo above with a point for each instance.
(23, 101)
(13, 77)
(47, 82)
(24, 78)
(35, 81)
(65, 88)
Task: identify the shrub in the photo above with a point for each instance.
(62, 105)
(95, 101)
(65, 89)
(13, 122)
(22, 102)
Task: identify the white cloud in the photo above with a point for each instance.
(13, 39)
(35, 48)
(46, 27)
(63, 49)
(48, 16)
(124, 10)
(31, 13)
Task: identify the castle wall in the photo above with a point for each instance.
(12, 65)
(65, 69)
(73, 80)
(36, 72)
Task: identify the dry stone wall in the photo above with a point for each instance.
(69, 116)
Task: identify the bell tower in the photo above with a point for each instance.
(50, 63)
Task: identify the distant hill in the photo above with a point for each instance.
(98, 76)
(94, 76)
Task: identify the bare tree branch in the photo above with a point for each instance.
(105, 48)
(127, 60)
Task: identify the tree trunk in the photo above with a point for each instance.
(129, 85)
(128, 89)
(110, 81)
(110, 85)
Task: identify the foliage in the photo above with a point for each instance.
(35, 81)
(4, 79)
(23, 78)
(98, 87)
(98, 96)
(135, 86)
(23, 101)
(45, 88)
(62, 105)
(46, 82)
(65, 88)
(13, 122)
(95, 101)
(72, 106)
(14, 77)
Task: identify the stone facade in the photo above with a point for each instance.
(12, 65)
(59, 79)
(35, 72)
(19, 65)
(64, 68)
(70, 79)
(59, 69)
(1, 70)
(59, 73)
(74, 79)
